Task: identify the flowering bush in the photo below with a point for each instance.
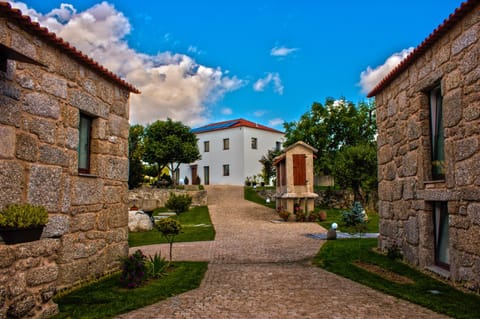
(284, 214)
(313, 216)
(134, 270)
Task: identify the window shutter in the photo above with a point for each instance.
(299, 169)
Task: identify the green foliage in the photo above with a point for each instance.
(107, 299)
(135, 151)
(334, 215)
(134, 270)
(341, 257)
(393, 252)
(269, 170)
(23, 216)
(355, 216)
(191, 231)
(169, 228)
(356, 167)
(156, 266)
(169, 143)
(179, 203)
(251, 194)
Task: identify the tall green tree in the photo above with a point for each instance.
(344, 135)
(135, 154)
(169, 144)
(356, 167)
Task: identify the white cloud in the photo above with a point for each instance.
(282, 51)
(371, 77)
(275, 122)
(259, 113)
(270, 77)
(172, 85)
(226, 111)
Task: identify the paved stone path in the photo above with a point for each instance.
(260, 269)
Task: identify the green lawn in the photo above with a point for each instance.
(106, 299)
(335, 216)
(338, 256)
(195, 216)
(251, 194)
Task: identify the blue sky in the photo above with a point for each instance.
(266, 61)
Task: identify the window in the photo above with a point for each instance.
(299, 169)
(84, 141)
(278, 146)
(437, 134)
(206, 175)
(206, 146)
(226, 170)
(226, 143)
(441, 236)
(254, 143)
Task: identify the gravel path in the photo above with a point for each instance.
(261, 269)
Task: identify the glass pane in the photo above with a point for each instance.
(84, 143)
(441, 234)
(437, 133)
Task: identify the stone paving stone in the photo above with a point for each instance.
(260, 269)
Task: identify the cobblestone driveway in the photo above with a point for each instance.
(260, 269)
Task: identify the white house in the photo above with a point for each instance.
(231, 151)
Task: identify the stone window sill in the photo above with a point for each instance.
(87, 175)
(438, 181)
(439, 271)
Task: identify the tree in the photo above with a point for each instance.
(329, 128)
(356, 167)
(169, 144)
(169, 228)
(135, 151)
(269, 170)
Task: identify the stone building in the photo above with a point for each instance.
(428, 116)
(64, 145)
(295, 178)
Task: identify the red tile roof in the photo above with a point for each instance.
(34, 28)
(443, 28)
(231, 124)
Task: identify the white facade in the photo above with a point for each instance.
(241, 158)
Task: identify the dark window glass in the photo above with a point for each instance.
(206, 146)
(254, 143)
(441, 235)
(84, 141)
(226, 143)
(437, 134)
(226, 170)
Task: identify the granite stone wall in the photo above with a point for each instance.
(406, 189)
(39, 118)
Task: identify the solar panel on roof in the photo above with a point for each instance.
(214, 127)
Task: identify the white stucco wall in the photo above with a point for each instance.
(242, 159)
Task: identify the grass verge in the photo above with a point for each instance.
(334, 215)
(106, 298)
(250, 193)
(339, 257)
(195, 216)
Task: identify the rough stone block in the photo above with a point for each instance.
(115, 168)
(54, 85)
(27, 147)
(7, 141)
(118, 126)
(71, 138)
(465, 148)
(465, 39)
(23, 45)
(53, 155)
(473, 211)
(9, 89)
(385, 154)
(43, 128)
(57, 226)
(41, 104)
(42, 275)
(409, 164)
(44, 186)
(114, 194)
(452, 107)
(21, 306)
(10, 113)
(83, 222)
(87, 103)
(72, 272)
(118, 216)
(7, 256)
(87, 191)
(11, 190)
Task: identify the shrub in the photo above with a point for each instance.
(313, 216)
(186, 180)
(300, 215)
(157, 266)
(393, 252)
(134, 270)
(284, 214)
(179, 203)
(355, 216)
(169, 228)
(23, 216)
